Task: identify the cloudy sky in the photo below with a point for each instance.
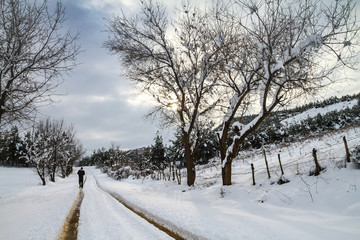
(101, 105)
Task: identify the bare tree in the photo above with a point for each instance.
(173, 65)
(248, 56)
(36, 154)
(69, 150)
(284, 50)
(34, 53)
(52, 148)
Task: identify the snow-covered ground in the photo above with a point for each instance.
(29, 210)
(103, 217)
(308, 207)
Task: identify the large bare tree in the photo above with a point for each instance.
(285, 50)
(172, 63)
(35, 51)
(232, 58)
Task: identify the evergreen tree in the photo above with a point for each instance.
(207, 148)
(86, 161)
(11, 148)
(158, 153)
(208, 145)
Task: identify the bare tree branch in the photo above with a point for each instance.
(280, 57)
(34, 54)
(172, 68)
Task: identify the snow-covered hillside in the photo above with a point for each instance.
(308, 207)
(311, 113)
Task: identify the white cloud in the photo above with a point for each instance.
(99, 98)
(143, 100)
(110, 6)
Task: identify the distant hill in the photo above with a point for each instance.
(304, 121)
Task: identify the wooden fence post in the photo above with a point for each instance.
(317, 165)
(347, 150)
(282, 171)
(253, 173)
(266, 162)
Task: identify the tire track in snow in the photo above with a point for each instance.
(103, 217)
(70, 228)
(162, 225)
(142, 215)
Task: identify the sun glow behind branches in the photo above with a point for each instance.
(175, 106)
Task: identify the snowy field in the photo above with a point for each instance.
(308, 207)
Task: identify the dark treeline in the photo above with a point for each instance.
(151, 159)
(12, 149)
(15, 147)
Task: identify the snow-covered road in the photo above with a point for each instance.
(31, 211)
(103, 217)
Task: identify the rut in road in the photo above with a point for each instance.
(160, 226)
(70, 228)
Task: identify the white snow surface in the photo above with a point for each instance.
(105, 218)
(308, 207)
(29, 210)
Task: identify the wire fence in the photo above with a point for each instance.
(296, 157)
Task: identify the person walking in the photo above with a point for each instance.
(81, 174)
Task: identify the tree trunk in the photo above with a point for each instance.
(190, 165)
(52, 177)
(43, 180)
(346, 150)
(41, 172)
(52, 172)
(226, 173)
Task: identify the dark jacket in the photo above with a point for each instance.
(81, 174)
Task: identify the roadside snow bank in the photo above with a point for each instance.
(29, 210)
(308, 207)
(324, 207)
